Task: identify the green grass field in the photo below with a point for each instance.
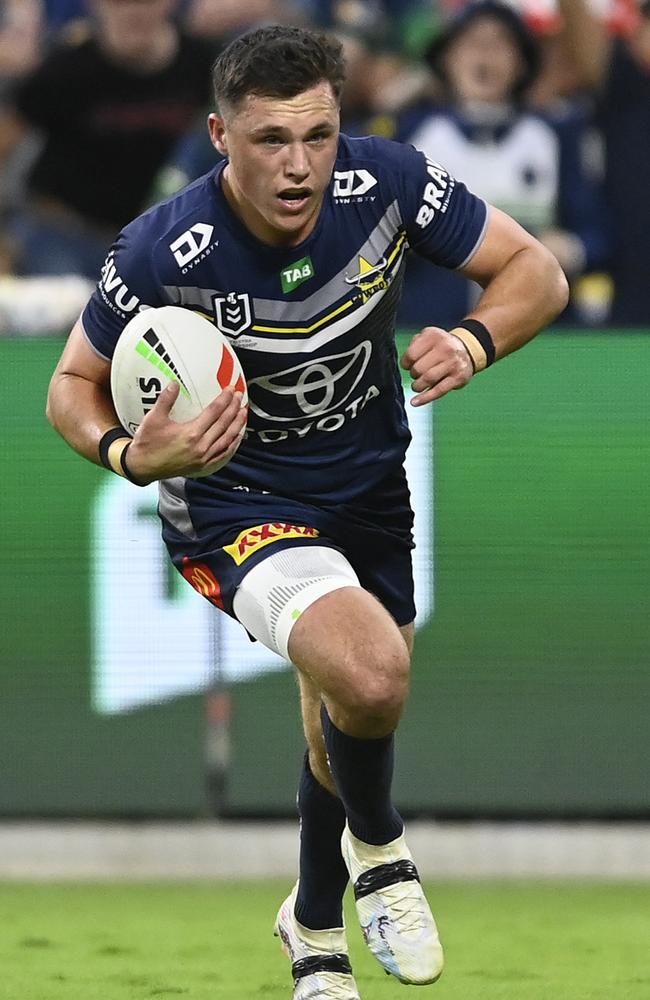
(516, 941)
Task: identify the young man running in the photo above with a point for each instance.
(295, 249)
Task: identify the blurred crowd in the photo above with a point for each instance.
(541, 106)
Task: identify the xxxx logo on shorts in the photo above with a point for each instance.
(252, 539)
(201, 577)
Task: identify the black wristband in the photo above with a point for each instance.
(125, 469)
(482, 334)
(105, 443)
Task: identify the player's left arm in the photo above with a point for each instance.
(524, 289)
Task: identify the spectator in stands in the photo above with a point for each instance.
(109, 107)
(620, 68)
(222, 19)
(20, 28)
(59, 13)
(536, 168)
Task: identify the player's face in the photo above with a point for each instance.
(132, 26)
(281, 154)
(484, 62)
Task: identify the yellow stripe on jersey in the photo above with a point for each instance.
(329, 316)
(342, 308)
(305, 329)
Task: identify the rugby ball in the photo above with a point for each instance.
(171, 344)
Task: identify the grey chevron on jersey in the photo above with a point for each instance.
(278, 310)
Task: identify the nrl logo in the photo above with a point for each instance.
(233, 312)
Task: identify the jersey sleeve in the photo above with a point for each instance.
(444, 221)
(127, 285)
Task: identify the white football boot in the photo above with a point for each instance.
(395, 917)
(320, 963)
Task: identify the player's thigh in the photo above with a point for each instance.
(306, 602)
(310, 706)
(408, 635)
(274, 594)
(352, 650)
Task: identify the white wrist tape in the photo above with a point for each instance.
(274, 594)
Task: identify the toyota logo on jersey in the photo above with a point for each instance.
(311, 389)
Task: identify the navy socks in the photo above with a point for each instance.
(363, 773)
(323, 875)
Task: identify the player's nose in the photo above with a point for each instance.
(297, 163)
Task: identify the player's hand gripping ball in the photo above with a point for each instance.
(171, 344)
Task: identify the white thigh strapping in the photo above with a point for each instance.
(274, 594)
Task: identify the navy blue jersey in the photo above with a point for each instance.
(313, 324)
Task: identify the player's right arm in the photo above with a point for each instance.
(80, 408)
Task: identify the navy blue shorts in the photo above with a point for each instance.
(221, 533)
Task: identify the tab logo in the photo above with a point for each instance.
(192, 243)
(352, 183)
(295, 274)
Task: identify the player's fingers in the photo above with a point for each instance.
(440, 389)
(413, 353)
(431, 376)
(163, 405)
(421, 343)
(227, 444)
(213, 412)
(223, 425)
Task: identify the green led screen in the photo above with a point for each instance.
(532, 664)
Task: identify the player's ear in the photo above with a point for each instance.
(217, 129)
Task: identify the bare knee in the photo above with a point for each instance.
(370, 702)
(377, 683)
(352, 650)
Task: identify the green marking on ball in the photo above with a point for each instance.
(153, 358)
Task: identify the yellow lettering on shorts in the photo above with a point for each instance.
(253, 539)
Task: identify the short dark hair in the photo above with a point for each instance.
(277, 61)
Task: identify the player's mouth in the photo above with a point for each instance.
(294, 199)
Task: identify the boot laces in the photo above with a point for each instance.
(333, 988)
(406, 906)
